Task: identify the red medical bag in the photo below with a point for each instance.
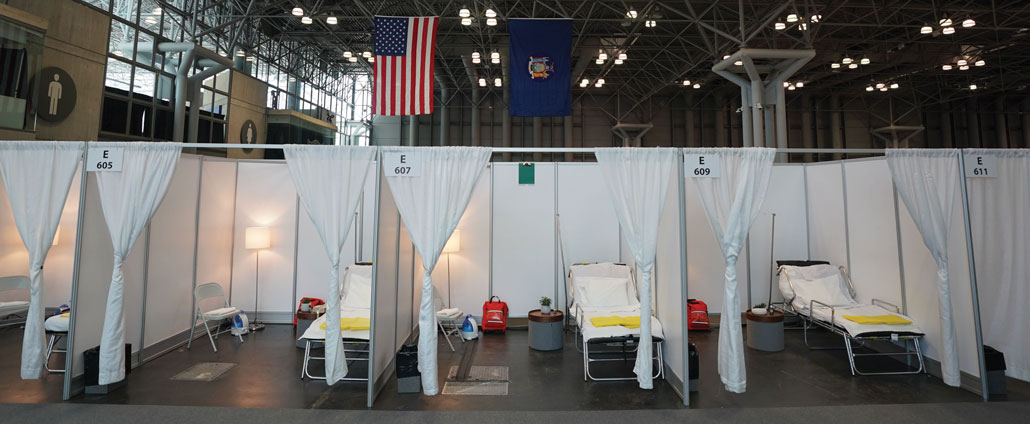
(697, 315)
(495, 315)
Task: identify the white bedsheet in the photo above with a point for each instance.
(14, 307)
(855, 329)
(316, 332)
(590, 332)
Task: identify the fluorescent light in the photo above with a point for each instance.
(834, 65)
(491, 21)
(331, 20)
(632, 14)
(497, 82)
(853, 66)
(697, 85)
(962, 62)
(946, 67)
(686, 82)
(352, 59)
(864, 61)
(880, 85)
(599, 61)
(651, 23)
(739, 63)
(948, 30)
(980, 62)
(792, 18)
(476, 60)
(968, 23)
(869, 88)
(925, 30)
(495, 60)
(306, 20)
(780, 26)
(482, 82)
(623, 56)
(799, 84)
(372, 60)
(297, 11)
(883, 89)
(602, 56)
(847, 60)
(963, 68)
(466, 21)
(584, 81)
(495, 55)
(894, 85)
(786, 84)
(945, 22)
(618, 61)
(475, 55)
(347, 54)
(366, 55)
(972, 86)
(464, 12)
(490, 13)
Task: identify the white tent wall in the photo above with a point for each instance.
(589, 229)
(265, 197)
(524, 237)
(215, 229)
(386, 265)
(921, 294)
(668, 282)
(786, 198)
(60, 261)
(470, 266)
(172, 237)
(827, 225)
(875, 266)
(94, 279)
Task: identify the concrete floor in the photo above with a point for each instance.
(267, 376)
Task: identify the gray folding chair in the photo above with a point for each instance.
(210, 291)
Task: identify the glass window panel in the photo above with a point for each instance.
(142, 120)
(118, 76)
(222, 81)
(126, 9)
(165, 89)
(220, 105)
(207, 99)
(143, 83)
(113, 114)
(163, 124)
(104, 5)
(21, 57)
(145, 49)
(122, 40)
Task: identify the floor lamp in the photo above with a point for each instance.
(453, 245)
(257, 238)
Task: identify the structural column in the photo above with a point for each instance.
(1026, 122)
(1001, 128)
(445, 119)
(721, 131)
(974, 124)
(807, 126)
(946, 138)
(836, 132)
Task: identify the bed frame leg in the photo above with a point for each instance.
(586, 360)
(851, 355)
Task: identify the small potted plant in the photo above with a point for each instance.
(760, 309)
(545, 305)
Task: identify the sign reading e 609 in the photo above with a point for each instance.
(702, 166)
(101, 159)
(401, 164)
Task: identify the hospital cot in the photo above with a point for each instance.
(823, 295)
(604, 290)
(355, 302)
(13, 312)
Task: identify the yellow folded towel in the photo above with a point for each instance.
(878, 319)
(352, 324)
(611, 321)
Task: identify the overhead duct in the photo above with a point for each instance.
(186, 85)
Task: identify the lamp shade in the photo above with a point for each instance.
(258, 238)
(453, 243)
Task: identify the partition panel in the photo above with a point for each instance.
(827, 230)
(588, 227)
(524, 237)
(405, 304)
(470, 266)
(668, 299)
(215, 227)
(169, 291)
(872, 231)
(313, 267)
(384, 291)
(265, 197)
(786, 198)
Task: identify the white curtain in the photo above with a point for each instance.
(732, 201)
(431, 204)
(128, 198)
(37, 176)
(329, 180)
(637, 179)
(998, 211)
(927, 181)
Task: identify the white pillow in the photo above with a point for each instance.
(604, 291)
(827, 289)
(358, 292)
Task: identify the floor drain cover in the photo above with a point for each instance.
(205, 371)
(482, 373)
(483, 388)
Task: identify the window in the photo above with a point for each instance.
(21, 54)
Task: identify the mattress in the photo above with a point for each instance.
(15, 307)
(57, 324)
(590, 332)
(316, 332)
(856, 329)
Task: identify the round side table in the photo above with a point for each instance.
(546, 331)
(765, 332)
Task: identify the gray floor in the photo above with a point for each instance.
(267, 376)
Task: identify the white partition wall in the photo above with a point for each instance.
(167, 287)
(265, 197)
(668, 285)
(786, 198)
(384, 291)
(588, 227)
(524, 237)
(827, 229)
(215, 235)
(872, 231)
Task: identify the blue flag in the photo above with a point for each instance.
(541, 67)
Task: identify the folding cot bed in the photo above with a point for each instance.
(355, 303)
(605, 291)
(823, 295)
(13, 312)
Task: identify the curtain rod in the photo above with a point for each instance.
(532, 149)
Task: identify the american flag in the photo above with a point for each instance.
(404, 49)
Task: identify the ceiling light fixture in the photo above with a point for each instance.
(790, 87)
(618, 61)
(250, 58)
(816, 18)
(466, 21)
(632, 14)
(834, 65)
(650, 23)
(297, 11)
(482, 82)
(945, 22)
(150, 20)
(490, 13)
(599, 61)
(792, 18)
(945, 67)
(739, 63)
(780, 26)
(972, 86)
(497, 82)
(598, 84)
(802, 27)
(948, 30)
(686, 82)
(894, 86)
(853, 66)
(602, 55)
(799, 84)
(331, 20)
(962, 62)
(584, 81)
(980, 62)
(352, 59)
(306, 20)
(464, 12)
(495, 61)
(880, 85)
(623, 56)
(925, 30)
(366, 55)
(240, 53)
(869, 88)
(725, 57)
(372, 60)
(883, 89)
(491, 21)
(786, 84)
(864, 61)
(968, 23)
(963, 67)
(495, 55)
(847, 60)
(697, 85)
(347, 54)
